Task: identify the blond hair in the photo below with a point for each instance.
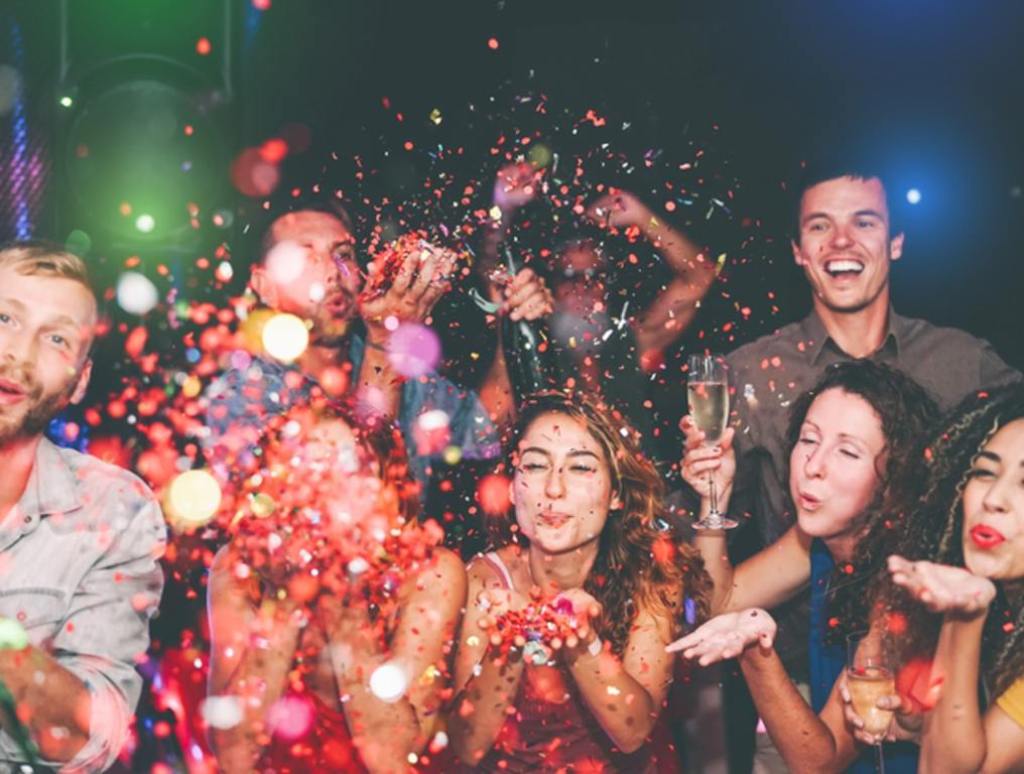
(44, 259)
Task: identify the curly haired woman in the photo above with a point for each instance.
(584, 541)
(962, 559)
(856, 439)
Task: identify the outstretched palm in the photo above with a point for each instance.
(727, 636)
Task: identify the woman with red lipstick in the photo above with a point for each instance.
(967, 537)
(856, 450)
(585, 559)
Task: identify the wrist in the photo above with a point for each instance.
(378, 337)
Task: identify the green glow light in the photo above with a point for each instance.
(66, 102)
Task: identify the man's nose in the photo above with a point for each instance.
(841, 236)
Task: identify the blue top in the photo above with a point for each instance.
(827, 662)
(253, 388)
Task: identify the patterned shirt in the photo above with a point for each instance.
(253, 389)
(79, 570)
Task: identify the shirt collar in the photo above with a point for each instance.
(817, 341)
(52, 486)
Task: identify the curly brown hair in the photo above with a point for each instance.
(907, 415)
(639, 562)
(935, 534)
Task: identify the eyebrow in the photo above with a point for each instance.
(842, 436)
(990, 456)
(60, 321)
(573, 453)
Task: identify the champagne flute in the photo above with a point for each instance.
(707, 390)
(869, 676)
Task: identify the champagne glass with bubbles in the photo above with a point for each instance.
(707, 391)
(869, 677)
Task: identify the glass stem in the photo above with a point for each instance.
(881, 759)
(713, 496)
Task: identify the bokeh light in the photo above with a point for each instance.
(285, 337)
(414, 350)
(136, 293)
(193, 499)
(389, 682)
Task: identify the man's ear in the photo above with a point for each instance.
(797, 256)
(511, 492)
(83, 382)
(896, 247)
(263, 287)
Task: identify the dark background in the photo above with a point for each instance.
(933, 87)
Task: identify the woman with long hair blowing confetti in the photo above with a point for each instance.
(856, 459)
(561, 658)
(332, 609)
(958, 590)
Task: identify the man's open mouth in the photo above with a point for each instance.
(844, 267)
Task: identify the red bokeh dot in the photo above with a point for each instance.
(492, 493)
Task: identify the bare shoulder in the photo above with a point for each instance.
(444, 567)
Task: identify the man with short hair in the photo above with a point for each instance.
(348, 352)
(845, 245)
(80, 539)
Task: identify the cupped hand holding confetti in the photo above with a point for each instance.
(404, 282)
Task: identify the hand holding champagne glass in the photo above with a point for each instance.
(870, 677)
(707, 390)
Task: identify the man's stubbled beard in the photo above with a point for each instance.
(41, 408)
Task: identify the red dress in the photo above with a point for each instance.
(326, 746)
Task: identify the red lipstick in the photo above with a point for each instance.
(986, 537)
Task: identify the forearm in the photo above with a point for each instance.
(378, 386)
(622, 706)
(803, 740)
(496, 390)
(259, 680)
(384, 733)
(479, 710)
(56, 703)
(713, 548)
(954, 733)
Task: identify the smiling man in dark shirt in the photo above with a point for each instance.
(845, 245)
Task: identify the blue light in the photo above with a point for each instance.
(913, 196)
